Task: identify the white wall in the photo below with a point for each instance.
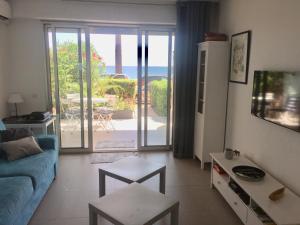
(93, 11)
(3, 68)
(275, 46)
(27, 67)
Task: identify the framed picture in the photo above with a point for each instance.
(239, 57)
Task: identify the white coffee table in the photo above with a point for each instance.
(134, 205)
(132, 169)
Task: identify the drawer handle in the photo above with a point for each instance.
(218, 182)
(235, 203)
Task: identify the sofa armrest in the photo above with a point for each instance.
(48, 142)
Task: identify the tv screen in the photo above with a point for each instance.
(276, 98)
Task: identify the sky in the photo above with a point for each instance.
(105, 46)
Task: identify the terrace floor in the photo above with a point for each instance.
(116, 134)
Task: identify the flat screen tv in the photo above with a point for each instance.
(276, 98)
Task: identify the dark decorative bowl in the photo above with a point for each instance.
(249, 173)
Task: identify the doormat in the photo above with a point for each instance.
(117, 144)
(96, 158)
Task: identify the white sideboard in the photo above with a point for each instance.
(285, 211)
(210, 112)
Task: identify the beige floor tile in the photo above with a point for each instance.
(66, 202)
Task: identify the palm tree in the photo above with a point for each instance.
(118, 55)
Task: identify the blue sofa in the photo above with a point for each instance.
(24, 182)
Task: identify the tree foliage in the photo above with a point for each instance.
(69, 76)
(69, 68)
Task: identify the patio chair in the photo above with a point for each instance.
(72, 113)
(103, 116)
(72, 110)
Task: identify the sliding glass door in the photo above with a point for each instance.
(114, 88)
(155, 89)
(69, 84)
(111, 87)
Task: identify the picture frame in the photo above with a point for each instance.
(239, 57)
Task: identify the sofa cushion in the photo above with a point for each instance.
(47, 142)
(34, 166)
(13, 134)
(20, 148)
(14, 195)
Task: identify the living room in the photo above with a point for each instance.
(271, 28)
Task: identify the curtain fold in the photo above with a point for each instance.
(194, 19)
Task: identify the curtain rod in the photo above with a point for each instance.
(164, 3)
(106, 24)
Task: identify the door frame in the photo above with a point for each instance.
(145, 31)
(86, 28)
(80, 31)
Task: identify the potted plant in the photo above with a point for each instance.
(123, 109)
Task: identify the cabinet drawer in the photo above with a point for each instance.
(232, 198)
(219, 179)
(220, 183)
(252, 219)
(237, 205)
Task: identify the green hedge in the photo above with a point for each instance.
(123, 88)
(158, 96)
(126, 88)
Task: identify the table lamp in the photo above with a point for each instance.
(15, 98)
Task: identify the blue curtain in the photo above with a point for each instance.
(194, 19)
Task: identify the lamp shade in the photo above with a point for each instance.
(15, 98)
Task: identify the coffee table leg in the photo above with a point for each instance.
(162, 181)
(101, 183)
(175, 215)
(92, 217)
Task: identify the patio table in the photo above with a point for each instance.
(94, 100)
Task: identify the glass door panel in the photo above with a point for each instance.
(68, 84)
(129, 71)
(156, 98)
(156, 94)
(114, 88)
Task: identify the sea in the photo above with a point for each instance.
(131, 71)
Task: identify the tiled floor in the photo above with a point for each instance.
(66, 202)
